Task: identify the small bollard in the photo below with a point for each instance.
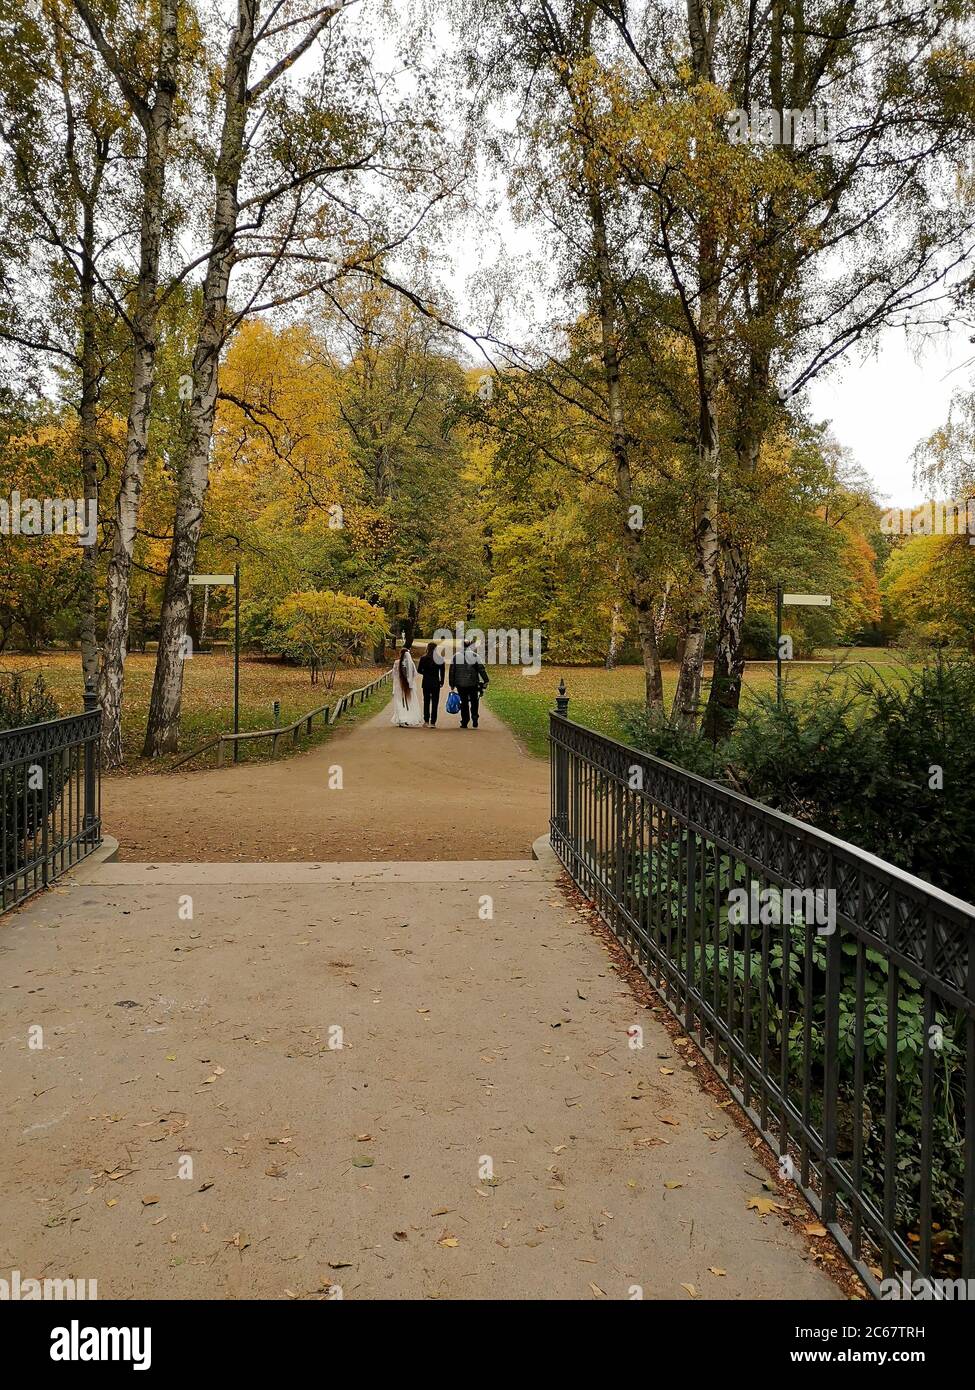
(562, 699)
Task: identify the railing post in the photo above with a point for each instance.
(91, 755)
(560, 771)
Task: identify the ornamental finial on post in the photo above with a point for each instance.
(91, 694)
(562, 699)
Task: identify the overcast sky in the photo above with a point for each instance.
(880, 408)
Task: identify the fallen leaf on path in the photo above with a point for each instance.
(764, 1205)
(815, 1229)
(149, 1201)
(691, 1290)
(719, 1273)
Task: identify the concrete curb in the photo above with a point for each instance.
(548, 860)
(445, 871)
(89, 867)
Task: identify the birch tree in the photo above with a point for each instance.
(63, 138)
(152, 104)
(292, 205)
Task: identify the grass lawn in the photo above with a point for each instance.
(208, 699)
(524, 701)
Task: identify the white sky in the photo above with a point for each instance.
(881, 407)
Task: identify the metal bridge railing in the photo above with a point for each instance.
(833, 992)
(50, 813)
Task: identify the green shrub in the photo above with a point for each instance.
(758, 635)
(25, 703)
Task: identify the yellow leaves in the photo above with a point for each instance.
(764, 1205)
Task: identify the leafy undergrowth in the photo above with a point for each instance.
(605, 700)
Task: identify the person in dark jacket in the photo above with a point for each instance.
(431, 669)
(469, 678)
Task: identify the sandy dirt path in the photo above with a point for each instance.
(484, 1131)
(445, 793)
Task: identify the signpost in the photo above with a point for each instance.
(211, 581)
(791, 601)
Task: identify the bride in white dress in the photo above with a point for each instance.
(407, 708)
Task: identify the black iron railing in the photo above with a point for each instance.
(834, 993)
(50, 815)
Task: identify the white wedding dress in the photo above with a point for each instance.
(407, 712)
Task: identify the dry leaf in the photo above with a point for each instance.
(691, 1290)
(815, 1229)
(764, 1205)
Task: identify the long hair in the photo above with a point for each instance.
(404, 684)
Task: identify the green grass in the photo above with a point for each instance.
(524, 702)
(208, 694)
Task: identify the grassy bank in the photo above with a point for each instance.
(208, 699)
(595, 694)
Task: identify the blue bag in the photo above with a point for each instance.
(453, 703)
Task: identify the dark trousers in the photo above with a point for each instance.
(431, 703)
(470, 701)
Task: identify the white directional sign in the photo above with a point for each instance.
(211, 579)
(807, 600)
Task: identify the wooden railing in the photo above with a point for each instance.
(327, 713)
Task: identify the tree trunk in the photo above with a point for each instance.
(733, 575)
(641, 592)
(156, 122)
(729, 657)
(687, 698)
(162, 729)
(88, 443)
(612, 651)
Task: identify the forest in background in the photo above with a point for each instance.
(224, 322)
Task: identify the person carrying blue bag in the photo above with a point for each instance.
(468, 680)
